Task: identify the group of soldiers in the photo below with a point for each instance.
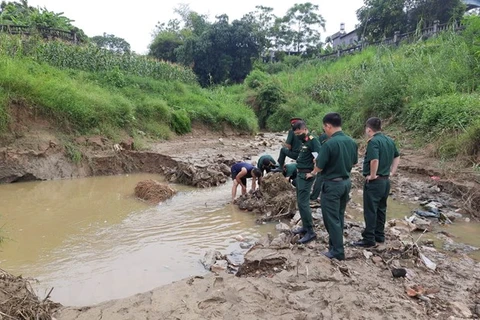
(325, 162)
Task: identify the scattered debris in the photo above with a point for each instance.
(428, 263)
(197, 175)
(275, 199)
(18, 301)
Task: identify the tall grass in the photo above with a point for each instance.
(429, 87)
(105, 102)
(91, 58)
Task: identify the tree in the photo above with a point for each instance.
(425, 12)
(225, 52)
(15, 13)
(262, 21)
(304, 22)
(112, 43)
(164, 45)
(381, 18)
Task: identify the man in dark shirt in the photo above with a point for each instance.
(240, 172)
(266, 164)
(292, 145)
(335, 161)
(290, 173)
(380, 162)
(305, 164)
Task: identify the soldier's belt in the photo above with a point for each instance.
(336, 179)
(305, 170)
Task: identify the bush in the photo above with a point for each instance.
(268, 99)
(4, 116)
(180, 122)
(444, 114)
(293, 61)
(256, 79)
(73, 153)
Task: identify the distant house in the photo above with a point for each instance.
(342, 39)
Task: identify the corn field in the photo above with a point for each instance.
(92, 58)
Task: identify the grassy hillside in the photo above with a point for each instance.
(428, 87)
(87, 90)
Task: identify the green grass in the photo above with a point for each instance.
(106, 102)
(429, 87)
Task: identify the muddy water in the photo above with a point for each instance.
(464, 232)
(92, 241)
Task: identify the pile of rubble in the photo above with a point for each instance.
(275, 199)
(200, 176)
(18, 301)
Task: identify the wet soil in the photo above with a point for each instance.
(279, 280)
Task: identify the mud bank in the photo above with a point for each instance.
(279, 280)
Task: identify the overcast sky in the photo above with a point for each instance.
(135, 20)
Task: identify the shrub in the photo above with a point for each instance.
(180, 122)
(268, 99)
(444, 114)
(256, 79)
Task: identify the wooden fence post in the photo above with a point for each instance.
(395, 37)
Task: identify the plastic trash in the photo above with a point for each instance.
(429, 263)
(427, 214)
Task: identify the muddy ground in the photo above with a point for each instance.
(279, 280)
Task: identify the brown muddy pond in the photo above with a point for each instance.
(463, 232)
(93, 241)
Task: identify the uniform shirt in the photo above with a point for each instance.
(305, 157)
(290, 170)
(262, 158)
(381, 148)
(294, 141)
(323, 138)
(337, 156)
(237, 167)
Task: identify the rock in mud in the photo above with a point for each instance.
(210, 258)
(153, 191)
(461, 309)
(282, 227)
(219, 266)
(452, 215)
(261, 260)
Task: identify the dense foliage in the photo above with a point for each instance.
(429, 87)
(222, 52)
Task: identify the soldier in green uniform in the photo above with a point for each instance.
(305, 164)
(317, 186)
(290, 173)
(380, 162)
(335, 161)
(292, 145)
(266, 163)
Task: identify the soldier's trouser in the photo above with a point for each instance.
(304, 186)
(375, 194)
(317, 187)
(335, 195)
(285, 152)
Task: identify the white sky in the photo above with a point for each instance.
(135, 20)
